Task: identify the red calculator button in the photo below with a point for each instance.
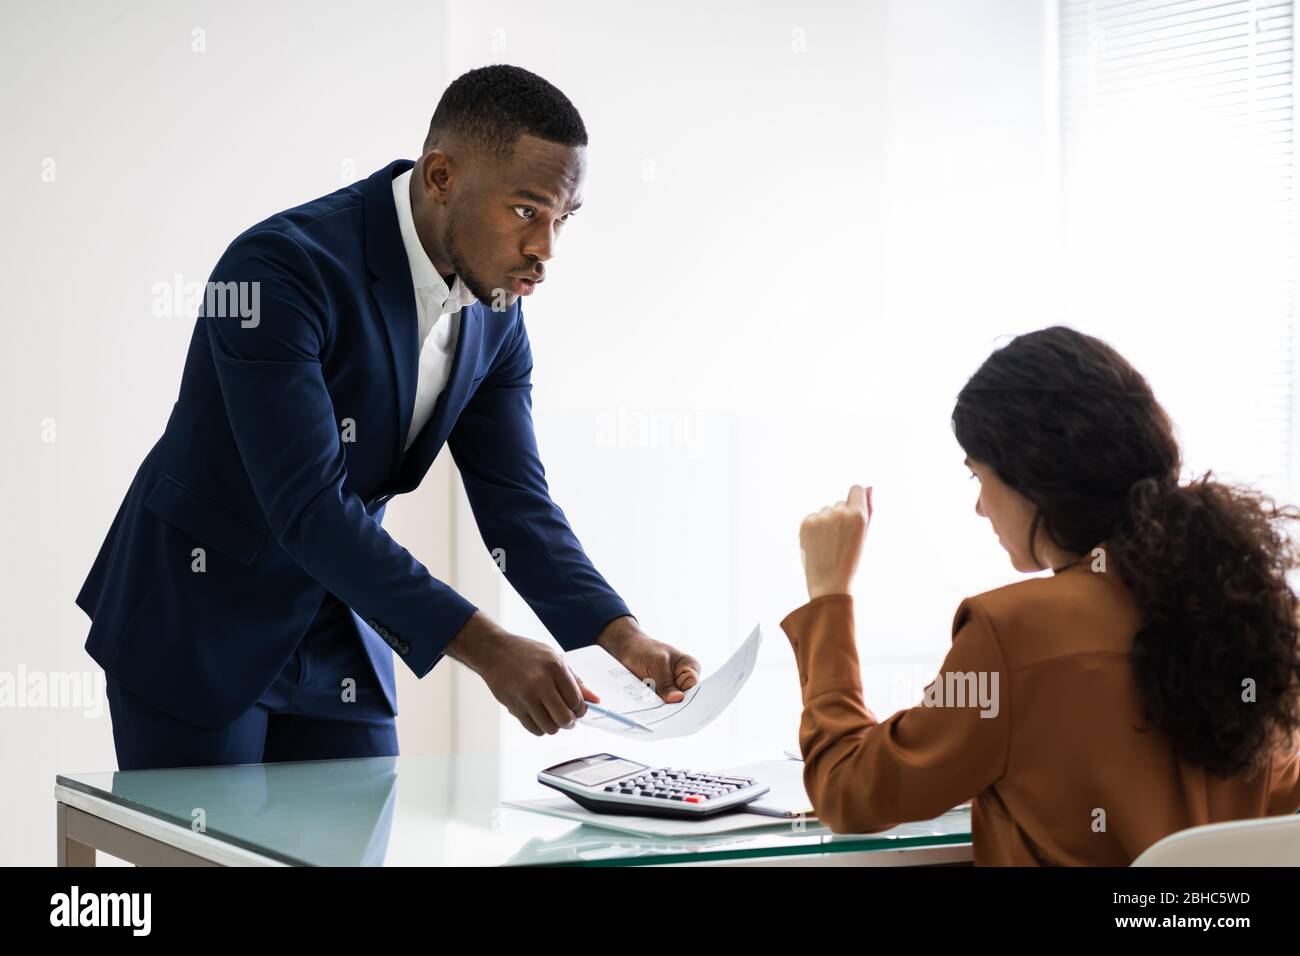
(695, 798)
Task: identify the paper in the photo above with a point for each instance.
(566, 809)
(954, 824)
(622, 691)
(786, 796)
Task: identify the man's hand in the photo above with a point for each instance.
(529, 678)
(831, 542)
(672, 671)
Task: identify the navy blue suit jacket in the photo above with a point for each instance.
(255, 467)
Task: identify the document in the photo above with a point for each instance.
(786, 796)
(622, 692)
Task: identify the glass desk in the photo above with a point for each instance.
(419, 811)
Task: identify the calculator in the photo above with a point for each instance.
(604, 783)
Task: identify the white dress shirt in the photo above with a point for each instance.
(437, 308)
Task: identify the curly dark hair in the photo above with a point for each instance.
(1066, 421)
(491, 106)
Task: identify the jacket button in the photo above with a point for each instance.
(404, 647)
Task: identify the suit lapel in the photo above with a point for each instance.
(392, 289)
(464, 364)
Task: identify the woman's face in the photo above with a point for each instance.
(1011, 514)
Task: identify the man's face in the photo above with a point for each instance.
(504, 217)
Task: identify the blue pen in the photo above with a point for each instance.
(615, 715)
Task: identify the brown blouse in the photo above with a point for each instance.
(1035, 717)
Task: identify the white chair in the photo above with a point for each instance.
(1265, 841)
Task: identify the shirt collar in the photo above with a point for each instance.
(423, 273)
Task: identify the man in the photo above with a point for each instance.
(246, 603)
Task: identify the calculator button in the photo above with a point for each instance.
(696, 798)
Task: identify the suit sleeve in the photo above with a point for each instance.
(495, 449)
(862, 775)
(288, 435)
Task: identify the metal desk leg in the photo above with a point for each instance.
(70, 852)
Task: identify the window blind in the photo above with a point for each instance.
(1177, 165)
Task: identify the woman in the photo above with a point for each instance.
(1151, 684)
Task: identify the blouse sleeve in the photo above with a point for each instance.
(863, 775)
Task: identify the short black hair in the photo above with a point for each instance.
(491, 106)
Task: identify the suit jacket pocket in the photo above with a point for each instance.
(207, 522)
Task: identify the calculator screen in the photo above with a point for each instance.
(590, 771)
